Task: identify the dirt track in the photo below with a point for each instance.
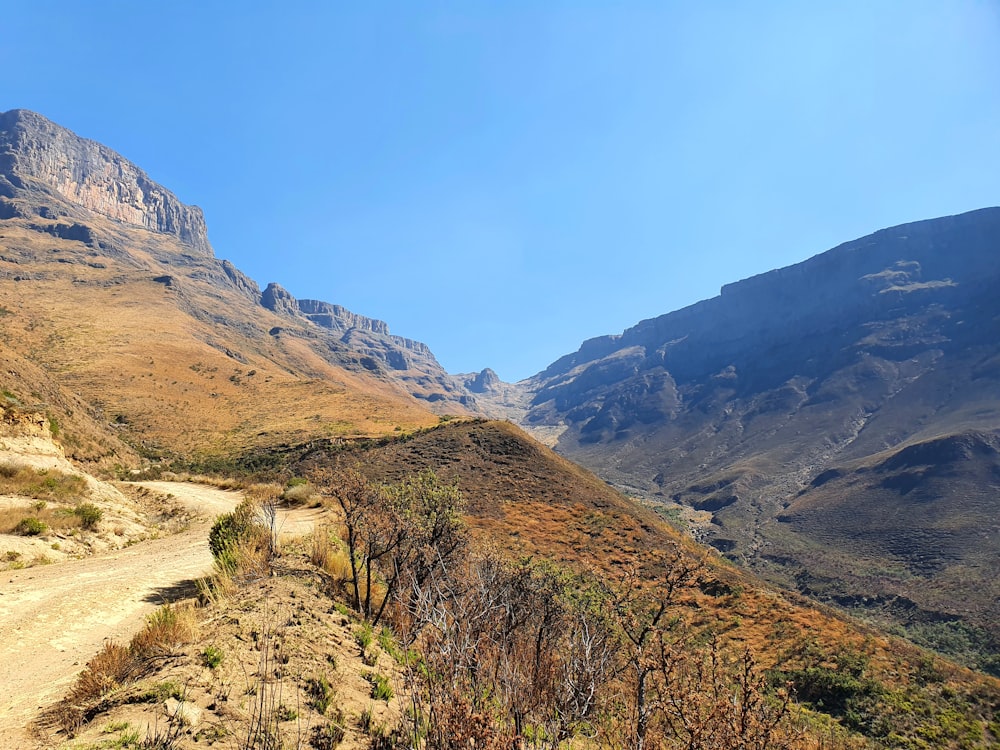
(54, 618)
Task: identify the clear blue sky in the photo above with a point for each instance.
(504, 180)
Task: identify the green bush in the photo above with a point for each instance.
(212, 657)
(89, 514)
(229, 530)
(30, 526)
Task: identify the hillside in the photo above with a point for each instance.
(831, 424)
(527, 499)
(109, 284)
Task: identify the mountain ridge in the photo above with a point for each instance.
(83, 226)
(733, 409)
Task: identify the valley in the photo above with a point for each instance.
(814, 445)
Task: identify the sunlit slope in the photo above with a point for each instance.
(523, 497)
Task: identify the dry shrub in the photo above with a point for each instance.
(112, 667)
(301, 494)
(167, 628)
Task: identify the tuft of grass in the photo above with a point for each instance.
(381, 687)
(166, 628)
(320, 693)
(364, 636)
(212, 657)
(329, 736)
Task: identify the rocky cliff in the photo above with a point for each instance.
(36, 150)
(410, 362)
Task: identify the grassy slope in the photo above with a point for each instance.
(185, 367)
(526, 498)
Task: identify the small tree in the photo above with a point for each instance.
(406, 530)
(643, 608)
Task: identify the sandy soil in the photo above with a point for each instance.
(53, 618)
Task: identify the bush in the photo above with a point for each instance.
(230, 531)
(30, 526)
(212, 657)
(89, 514)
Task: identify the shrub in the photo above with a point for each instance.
(30, 526)
(236, 535)
(89, 514)
(212, 657)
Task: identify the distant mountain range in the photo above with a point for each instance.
(833, 425)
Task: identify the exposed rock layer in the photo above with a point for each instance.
(93, 176)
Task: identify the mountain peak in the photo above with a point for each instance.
(36, 153)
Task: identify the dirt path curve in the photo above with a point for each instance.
(54, 618)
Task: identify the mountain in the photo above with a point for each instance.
(109, 284)
(834, 425)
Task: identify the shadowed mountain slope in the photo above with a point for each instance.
(109, 284)
(833, 420)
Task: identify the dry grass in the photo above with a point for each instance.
(144, 357)
(301, 495)
(117, 666)
(40, 484)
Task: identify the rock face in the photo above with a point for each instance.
(84, 172)
(410, 362)
(485, 381)
(736, 405)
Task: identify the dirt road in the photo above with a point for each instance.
(54, 618)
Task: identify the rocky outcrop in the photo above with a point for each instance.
(485, 381)
(278, 300)
(34, 149)
(338, 318)
(243, 283)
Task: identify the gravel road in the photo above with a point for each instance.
(54, 618)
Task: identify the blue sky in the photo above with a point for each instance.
(504, 180)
